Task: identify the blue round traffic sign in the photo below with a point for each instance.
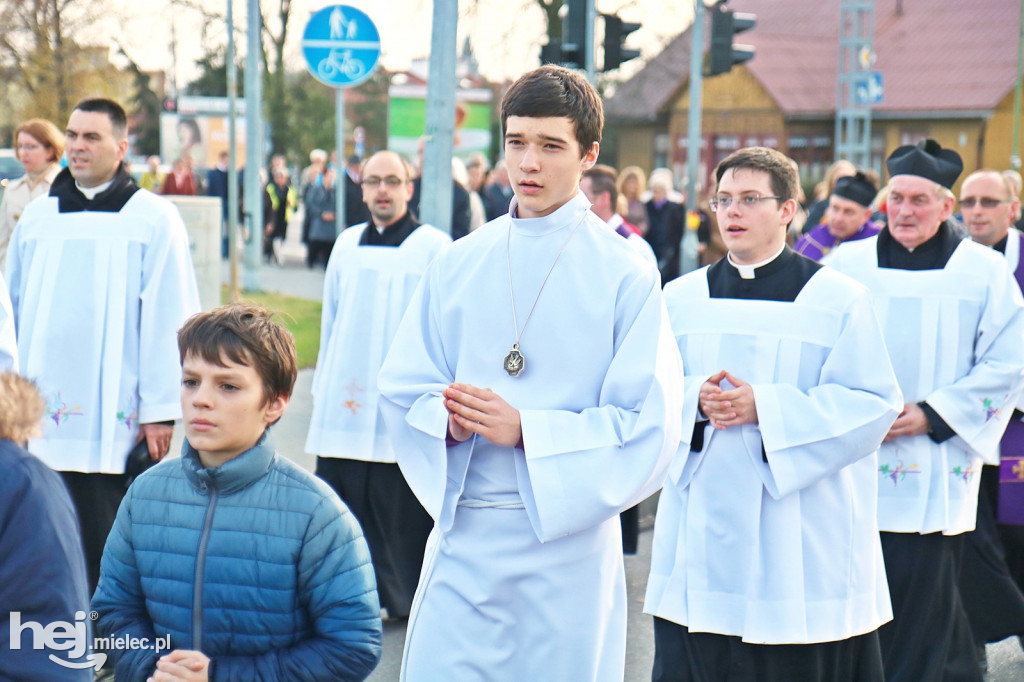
(341, 46)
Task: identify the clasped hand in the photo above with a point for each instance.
(182, 665)
(727, 408)
(911, 422)
(481, 410)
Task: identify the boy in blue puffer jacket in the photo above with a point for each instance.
(238, 563)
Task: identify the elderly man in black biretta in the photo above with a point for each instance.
(847, 218)
(953, 317)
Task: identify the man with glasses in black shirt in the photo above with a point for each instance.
(992, 574)
(372, 272)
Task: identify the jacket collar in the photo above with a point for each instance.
(235, 474)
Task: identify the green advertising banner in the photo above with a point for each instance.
(407, 115)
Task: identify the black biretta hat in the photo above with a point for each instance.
(856, 188)
(926, 159)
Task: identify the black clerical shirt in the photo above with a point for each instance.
(111, 200)
(1000, 245)
(780, 280)
(393, 235)
(933, 254)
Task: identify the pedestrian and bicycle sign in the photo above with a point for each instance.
(871, 90)
(341, 46)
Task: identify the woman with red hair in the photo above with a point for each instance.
(38, 145)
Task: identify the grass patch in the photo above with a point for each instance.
(300, 316)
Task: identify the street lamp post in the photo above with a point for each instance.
(1015, 147)
(688, 260)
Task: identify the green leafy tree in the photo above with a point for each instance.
(370, 109)
(143, 110)
(212, 80)
(312, 116)
(312, 113)
(551, 8)
(276, 99)
(49, 70)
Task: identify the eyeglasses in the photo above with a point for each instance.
(987, 202)
(392, 181)
(747, 201)
(29, 147)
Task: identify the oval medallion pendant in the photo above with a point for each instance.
(515, 363)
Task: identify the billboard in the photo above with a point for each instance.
(407, 118)
(199, 128)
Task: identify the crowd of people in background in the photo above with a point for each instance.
(835, 503)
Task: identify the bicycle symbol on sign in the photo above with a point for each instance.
(340, 62)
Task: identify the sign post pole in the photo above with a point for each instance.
(341, 46)
(339, 173)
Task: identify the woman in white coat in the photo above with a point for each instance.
(38, 145)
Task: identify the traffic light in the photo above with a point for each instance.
(574, 34)
(551, 53)
(724, 54)
(615, 32)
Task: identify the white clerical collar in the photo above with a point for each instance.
(91, 192)
(615, 221)
(568, 214)
(747, 271)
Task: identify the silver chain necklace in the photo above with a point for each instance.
(515, 361)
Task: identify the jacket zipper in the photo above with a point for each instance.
(197, 582)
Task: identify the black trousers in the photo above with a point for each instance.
(96, 498)
(630, 521)
(318, 251)
(684, 656)
(929, 638)
(394, 524)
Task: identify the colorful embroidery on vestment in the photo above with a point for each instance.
(963, 472)
(897, 473)
(128, 415)
(58, 410)
(990, 409)
(352, 403)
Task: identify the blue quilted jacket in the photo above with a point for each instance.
(256, 563)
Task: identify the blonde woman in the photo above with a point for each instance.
(38, 145)
(631, 186)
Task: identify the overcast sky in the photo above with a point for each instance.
(505, 34)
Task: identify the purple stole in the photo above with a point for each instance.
(1011, 455)
(818, 241)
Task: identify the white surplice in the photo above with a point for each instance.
(98, 299)
(366, 291)
(768, 533)
(1013, 247)
(523, 577)
(956, 340)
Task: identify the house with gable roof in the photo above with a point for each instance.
(949, 70)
